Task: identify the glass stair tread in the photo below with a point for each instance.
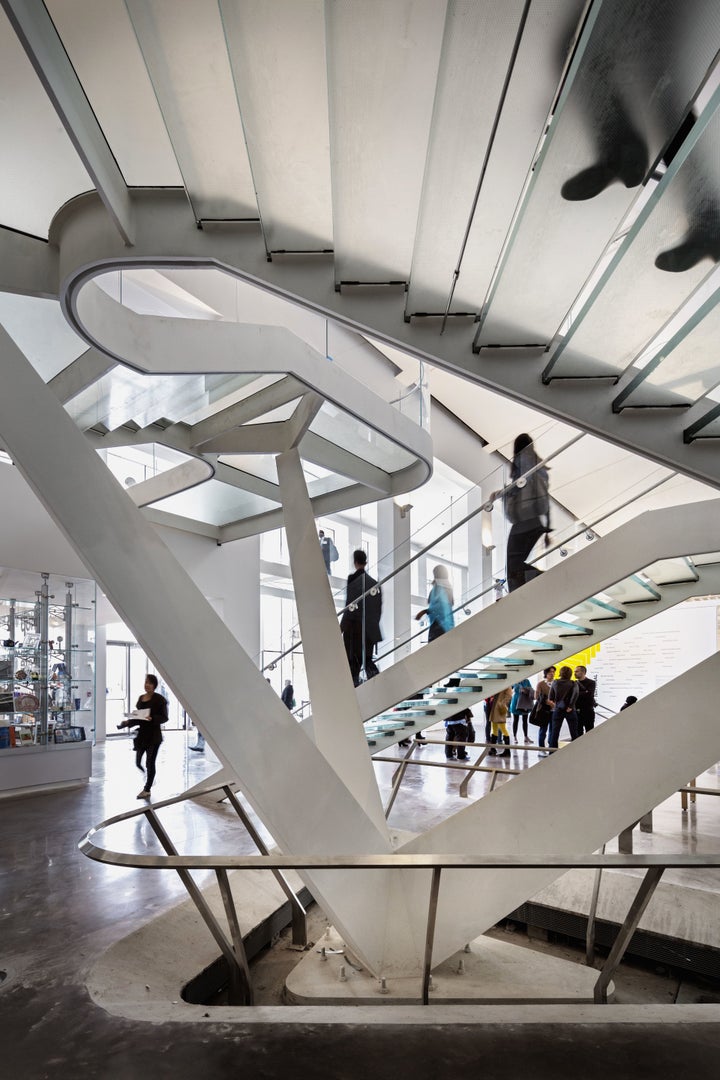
(632, 590)
(508, 661)
(594, 609)
(536, 644)
(411, 712)
(672, 572)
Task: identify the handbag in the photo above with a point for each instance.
(541, 712)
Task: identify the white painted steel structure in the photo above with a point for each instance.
(207, 192)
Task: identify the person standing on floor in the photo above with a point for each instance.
(527, 508)
(288, 695)
(149, 737)
(521, 707)
(585, 701)
(360, 621)
(563, 698)
(498, 723)
(456, 731)
(440, 604)
(542, 710)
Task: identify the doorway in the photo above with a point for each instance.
(127, 666)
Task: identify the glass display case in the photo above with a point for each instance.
(47, 663)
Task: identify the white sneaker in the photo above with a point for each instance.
(528, 740)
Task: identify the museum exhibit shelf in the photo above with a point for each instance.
(47, 681)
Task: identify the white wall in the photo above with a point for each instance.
(645, 657)
(29, 539)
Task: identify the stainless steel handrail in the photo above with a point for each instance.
(234, 951)
(428, 547)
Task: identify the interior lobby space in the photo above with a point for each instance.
(359, 464)
(61, 912)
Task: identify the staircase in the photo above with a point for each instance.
(629, 601)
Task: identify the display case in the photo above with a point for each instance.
(47, 678)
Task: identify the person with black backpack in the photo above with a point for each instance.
(527, 507)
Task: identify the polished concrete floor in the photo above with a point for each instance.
(59, 912)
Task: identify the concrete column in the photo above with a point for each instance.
(393, 536)
(479, 561)
(100, 698)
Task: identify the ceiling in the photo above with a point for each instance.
(524, 198)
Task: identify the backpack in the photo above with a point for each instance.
(525, 699)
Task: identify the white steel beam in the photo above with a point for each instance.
(166, 231)
(39, 38)
(81, 373)
(337, 729)
(655, 535)
(250, 408)
(187, 474)
(302, 418)
(28, 265)
(288, 781)
(339, 460)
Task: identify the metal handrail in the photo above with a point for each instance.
(428, 547)
(234, 950)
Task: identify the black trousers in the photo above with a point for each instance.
(520, 716)
(586, 721)
(359, 650)
(455, 733)
(521, 540)
(151, 753)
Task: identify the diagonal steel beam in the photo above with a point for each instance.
(28, 265)
(187, 474)
(40, 40)
(247, 481)
(308, 408)
(250, 408)
(272, 438)
(81, 373)
(337, 459)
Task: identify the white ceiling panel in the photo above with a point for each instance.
(277, 52)
(186, 56)
(40, 167)
(103, 49)
(469, 98)
(382, 68)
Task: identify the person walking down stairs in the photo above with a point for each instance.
(498, 723)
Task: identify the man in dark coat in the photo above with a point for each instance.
(288, 695)
(360, 622)
(586, 700)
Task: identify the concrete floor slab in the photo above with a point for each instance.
(488, 972)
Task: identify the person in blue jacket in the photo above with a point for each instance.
(521, 706)
(440, 604)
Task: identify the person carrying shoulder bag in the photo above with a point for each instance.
(563, 697)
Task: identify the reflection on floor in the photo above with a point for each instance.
(60, 911)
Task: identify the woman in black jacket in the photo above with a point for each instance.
(527, 508)
(149, 736)
(563, 698)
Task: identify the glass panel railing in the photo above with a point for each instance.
(490, 588)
